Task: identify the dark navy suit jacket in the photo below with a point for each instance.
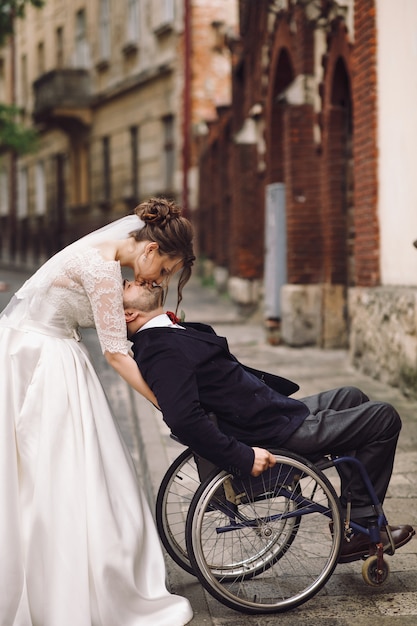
(192, 372)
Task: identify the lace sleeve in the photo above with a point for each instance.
(102, 282)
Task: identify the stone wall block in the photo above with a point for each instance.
(246, 294)
(383, 334)
(334, 332)
(301, 314)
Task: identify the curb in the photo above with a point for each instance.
(156, 452)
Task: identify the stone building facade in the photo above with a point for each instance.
(117, 92)
(308, 195)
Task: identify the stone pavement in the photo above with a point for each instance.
(346, 600)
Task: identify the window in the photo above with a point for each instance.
(59, 43)
(41, 58)
(4, 193)
(133, 21)
(40, 188)
(163, 15)
(104, 30)
(81, 44)
(22, 195)
(167, 11)
(24, 79)
(106, 171)
(168, 123)
(134, 151)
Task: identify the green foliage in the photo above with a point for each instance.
(14, 136)
(9, 10)
(408, 380)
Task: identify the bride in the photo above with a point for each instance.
(78, 545)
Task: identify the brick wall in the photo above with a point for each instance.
(334, 223)
(365, 147)
(224, 194)
(303, 195)
(281, 67)
(254, 33)
(202, 217)
(336, 159)
(211, 60)
(212, 220)
(246, 183)
(247, 214)
(304, 48)
(332, 228)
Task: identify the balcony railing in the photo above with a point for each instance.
(63, 96)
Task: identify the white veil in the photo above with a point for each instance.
(32, 292)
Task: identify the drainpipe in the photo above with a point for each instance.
(186, 108)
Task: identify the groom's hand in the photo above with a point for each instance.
(263, 460)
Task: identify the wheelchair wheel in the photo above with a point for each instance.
(374, 573)
(175, 493)
(264, 545)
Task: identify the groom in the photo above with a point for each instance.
(192, 373)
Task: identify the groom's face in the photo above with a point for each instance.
(141, 297)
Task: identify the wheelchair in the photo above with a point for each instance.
(266, 544)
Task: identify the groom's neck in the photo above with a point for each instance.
(142, 319)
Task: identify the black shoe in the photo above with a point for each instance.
(359, 547)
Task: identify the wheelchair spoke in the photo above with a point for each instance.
(272, 548)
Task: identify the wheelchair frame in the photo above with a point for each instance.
(264, 544)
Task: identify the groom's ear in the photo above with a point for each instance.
(131, 316)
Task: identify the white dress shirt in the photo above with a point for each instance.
(160, 321)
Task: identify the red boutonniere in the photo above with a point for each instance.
(174, 319)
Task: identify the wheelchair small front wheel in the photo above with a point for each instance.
(375, 574)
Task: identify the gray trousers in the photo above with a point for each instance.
(344, 421)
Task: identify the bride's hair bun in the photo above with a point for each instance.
(164, 224)
(158, 211)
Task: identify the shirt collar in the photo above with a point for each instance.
(160, 321)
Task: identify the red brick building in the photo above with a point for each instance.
(302, 123)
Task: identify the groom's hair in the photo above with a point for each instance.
(148, 300)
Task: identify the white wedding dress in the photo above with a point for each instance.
(78, 544)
